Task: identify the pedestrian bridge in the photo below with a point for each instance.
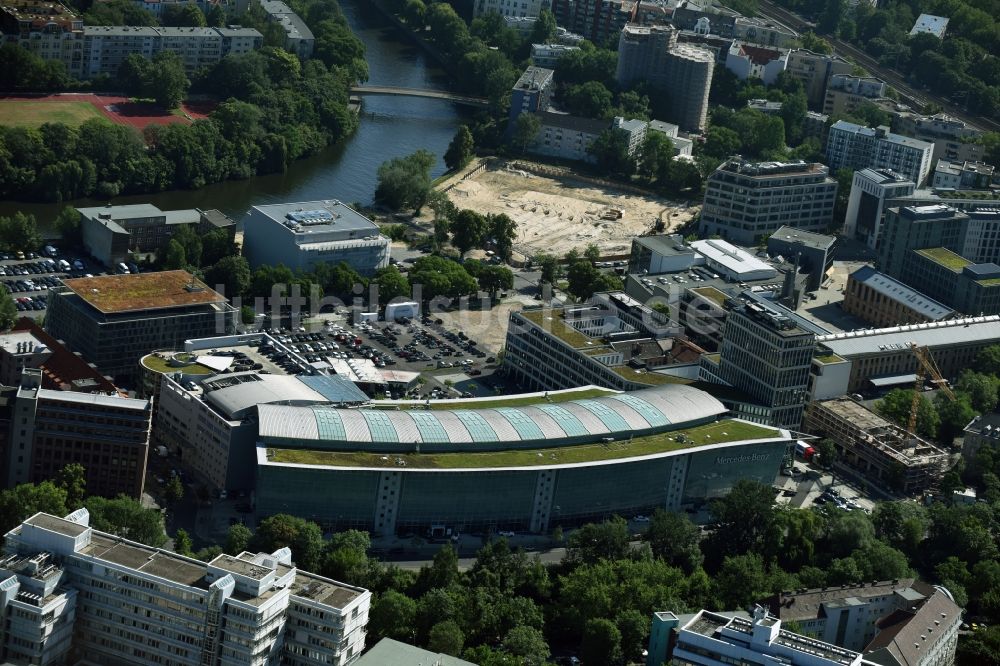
(455, 98)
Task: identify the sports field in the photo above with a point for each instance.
(33, 113)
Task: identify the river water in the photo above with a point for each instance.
(390, 127)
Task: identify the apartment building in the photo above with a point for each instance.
(48, 429)
(746, 201)
(299, 38)
(845, 93)
(747, 61)
(871, 190)
(854, 146)
(857, 617)
(815, 71)
(759, 30)
(883, 301)
(48, 29)
(600, 21)
(884, 453)
(567, 137)
(105, 48)
(548, 55)
(963, 175)
(682, 145)
(74, 593)
(615, 341)
(509, 7)
(115, 320)
(300, 235)
(952, 138)
(766, 355)
(653, 54)
(532, 93)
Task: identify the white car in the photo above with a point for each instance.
(641, 519)
(506, 533)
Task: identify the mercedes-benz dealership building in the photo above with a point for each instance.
(517, 463)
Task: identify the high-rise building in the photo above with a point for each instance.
(600, 21)
(531, 93)
(509, 7)
(854, 146)
(767, 355)
(70, 592)
(684, 71)
(115, 320)
(917, 227)
(746, 201)
(870, 190)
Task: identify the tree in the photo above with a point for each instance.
(304, 537)
(896, 406)
(27, 499)
(493, 279)
(232, 273)
(238, 538)
(832, 16)
(392, 615)
(610, 149)
(548, 265)
(391, 284)
(601, 643)
(596, 541)
(346, 556)
(183, 15)
(526, 129)
(590, 100)
(67, 223)
(674, 538)
(544, 29)
(73, 479)
(174, 257)
(528, 644)
(955, 415)
(981, 389)
(741, 580)
(746, 519)
(183, 545)
(405, 182)
(502, 230)
(446, 638)
(827, 450)
(721, 142)
(460, 150)
(793, 113)
(8, 311)
(167, 82)
(988, 360)
(126, 518)
(656, 154)
(19, 232)
(173, 492)
(467, 230)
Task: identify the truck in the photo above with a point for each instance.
(804, 451)
(396, 311)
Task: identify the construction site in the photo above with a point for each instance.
(558, 212)
(883, 452)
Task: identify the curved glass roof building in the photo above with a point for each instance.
(522, 463)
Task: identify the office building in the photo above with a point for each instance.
(731, 262)
(882, 452)
(509, 7)
(28, 346)
(548, 55)
(815, 71)
(301, 235)
(600, 21)
(299, 38)
(746, 201)
(883, 301)
(545, 460)
(388, 652)
(615, 342)
(845, 93)
(107, 600)
(653, 54)
(868, 617)
(532, 92)
(810, 252)
(930, 24)
(963, 175)
(910, 228)
(721, 639)
(953, 140)
(48, 29)
(113, 234)
(567, 137)
(976, 236)
(746, 61)
(851, 146)
(115, 320)
(766, 355)
(49, 429)
(973, 289)
(105, 48)
(871, 189)
(874, 360)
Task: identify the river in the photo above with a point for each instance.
(390, 127)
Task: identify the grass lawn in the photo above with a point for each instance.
(157, 364)
(712, 433)
(34, 113)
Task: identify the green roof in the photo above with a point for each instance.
(711, 293)
(989, 282)
(713, 433)
(945, 258)
(646, 377)
(162, 365)
(552, 321)
(828, 358)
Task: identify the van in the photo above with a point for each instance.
(50, 251)
(64, 266)
(122, 269)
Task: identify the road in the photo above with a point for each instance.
(916, 99)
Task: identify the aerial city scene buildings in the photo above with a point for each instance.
(499, 332)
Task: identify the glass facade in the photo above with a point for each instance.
(712, 473)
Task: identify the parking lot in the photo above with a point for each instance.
(28, 277)
(807, 485)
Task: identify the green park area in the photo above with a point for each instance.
(35, 113)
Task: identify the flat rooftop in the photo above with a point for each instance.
(806, 238)
(719, 432)
(323, 590)
(895, 290)
(112, 294)
(55, 524)
(898, 339)
(310, 217)
(945, 258)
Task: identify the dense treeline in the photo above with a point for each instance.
(964, 66)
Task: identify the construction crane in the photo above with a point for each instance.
(926, 367)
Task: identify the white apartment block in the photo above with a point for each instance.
(69, 591)
(518, 8)
(548, 55)
(854, 146)
(845, 93)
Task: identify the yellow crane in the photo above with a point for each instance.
(926, 367)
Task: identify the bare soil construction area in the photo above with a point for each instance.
(555, 215)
